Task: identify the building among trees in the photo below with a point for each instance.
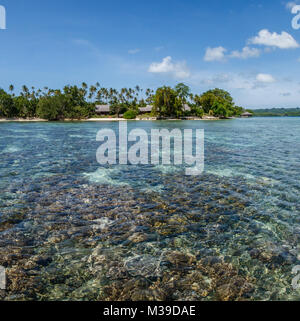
(146, 110)
(102, 109)
(246, 114)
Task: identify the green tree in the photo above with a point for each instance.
(209, 98)
(130, 114)
(223, 94)
(118, 108)
(238, 111)
(166, 102)
(52, 107)
(197, 111)
(76, 102)
(205, 101)
(183, 91)
(25, 107)
(220, 109)
(11, 89)
(7, 107)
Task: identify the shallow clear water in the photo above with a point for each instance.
(73, 230)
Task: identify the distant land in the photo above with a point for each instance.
(279, 112)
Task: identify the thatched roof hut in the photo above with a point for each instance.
(246, 114)
(102, 109)
(147, 109)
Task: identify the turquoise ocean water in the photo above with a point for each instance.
(71, 229)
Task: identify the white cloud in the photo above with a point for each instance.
(167, 66)
(289, 5)
(215, 54)
(265, 78)
(247, 90)
(282, 41)
(218, 53)
(134, 51)
(214, 80)
(264, 37)
(247, 52)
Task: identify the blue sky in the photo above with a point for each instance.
(246, 47)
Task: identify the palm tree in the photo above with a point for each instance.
(137, 91)
(93, 89)
(25, 91)
(105, 94)
(11, 89)
(122, 94)
(99, 95)
(149, 95)
(84, 89)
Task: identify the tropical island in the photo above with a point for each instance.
(277, 112)
(94, 102)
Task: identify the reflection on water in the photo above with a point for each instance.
(72, 230)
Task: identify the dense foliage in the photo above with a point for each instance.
(278, 112)
(167, 103)
(77, 102)
(130, 114)
(217, 102)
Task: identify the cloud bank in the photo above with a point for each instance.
(246, 53)
(167, 66)
(215, 54)
(265, 78)
(282, 41)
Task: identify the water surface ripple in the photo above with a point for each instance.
(73, 230)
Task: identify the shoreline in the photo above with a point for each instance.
(22, 120)
(205, 118)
